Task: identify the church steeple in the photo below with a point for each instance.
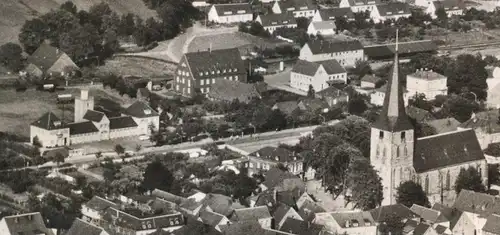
(393, 117)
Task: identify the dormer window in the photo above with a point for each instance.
(201, 73)
(381, 135)
(235, 70)
(213, 72)
(218, 71)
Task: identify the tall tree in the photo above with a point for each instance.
(469, 179)
(409, 193)
(365, 184)
(11, 56)
(119, 149)
(311, 93)
(69, 7)
(32, 34)
(157, 176)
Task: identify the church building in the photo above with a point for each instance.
(432, 161)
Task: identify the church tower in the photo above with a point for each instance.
(82, 104)
(392, 138)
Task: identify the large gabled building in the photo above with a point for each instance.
(432, 161)
(345, 52)
(299, 8)
(230, 13)
(333, 14)
(271, 22)
(199, 70)
(359, 5)
(390, 11)
(49, 61)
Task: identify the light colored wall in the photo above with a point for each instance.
(81, 107)
(362, 8)
(276, 8)
(430, 88)
(85, 138)
(266, 223)
(346, 59)
(316, 17)
(468, 223)
(271, 29)
(91, 213)
(143, 124)
(303, 13)
(61, 63)
(3, 228)
(213, 16)
(365, 84)
(300, 81)
(323, 32)
(50, 138)
(291, 213)
(377, 98)
(422, 3)
(124, 132)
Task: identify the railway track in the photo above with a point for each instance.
(478, 45)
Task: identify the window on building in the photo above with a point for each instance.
(218, 71)
(213, 72)
(202, 82)
(206, 73)
(403, 136)
(236, 78)
(381, 135)
(213, 80)
(397, 151)
(427, 184)
(448, 181)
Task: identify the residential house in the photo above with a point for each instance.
(220, 204)
(93, 210)
(282, 213)
(427, 82)
(228, 91)
(476, 209)
(370, 81)
(444, 125)
(345, 52)
(313, 105)
(359, 5)
(331, 14)
(260, 214)
(193, 226)
(230, 13)
(80, 227)
(378, 95)
(323, 28)
(299, 8)
(390, 11)
(199, 70)
(382, 214)
(49, 61)
(451, 7)
(333, 96)
(405, 50)
(249, 228)
(271, 22)
(267, 157)
(300, 227)
(286, 107)
(431, 216)
(350, 222)
(316, 74)
(486, 126)
(491, 227)
(281, 181)
(418, 114)
(493, 99)
(30, 223)
(213, 219)
(135, 221)
(309, 209)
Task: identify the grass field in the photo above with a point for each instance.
(231, 40)
(129, 66)
(13, 13)
(19, 109)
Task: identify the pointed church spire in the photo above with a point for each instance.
(393, 116)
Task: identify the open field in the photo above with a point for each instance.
(19, 109)
(231, 40)
(13, 13)
(132, 66)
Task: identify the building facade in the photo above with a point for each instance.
(331, 14)
(271, 22)
(345, 52)
(316, 74)
(433, 161)
(323, 28)
(298, 8)
(428, 83)
(199, 70)
(266, 158)
(452, 8)
(230, 13)
(359, 5)
(390, 11)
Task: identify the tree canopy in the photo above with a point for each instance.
(157, 176)
(11, 56)
(409, 193)
(365, 185)
(469, 179)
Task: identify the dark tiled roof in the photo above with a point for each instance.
(195, 227)
(233, 9)
(226, 61)
(393, 8)
(280, 212)
(328, 46)
(277, 19)
(48, 121)
(486, 121)
(308, 209)
(121, 122)
(275, 176)
(99, 204)
(140, 109)
(332, 92)
(381, 213)
(305, 67)
(211, 218)
(332, 66)
(434, 152)
(45, 56)
(80, 227)
(448, 5)
(94, 116)
(242, 228)
(253, 213)
(363, 218)
(31, 223)
(363, 2)
(168, 196)
(227, 90)
(440, 229)
(323, 25)
(421, 229)
(492, 224)
(387, 50)
(332, 13)
(370, 78)
(300, 227)
(289, 197)
(297, 5)
(477, 203)
(125, 220)
(220, 204)
(313, 104)
(420, 115)
(79, 128)
(444, 125)
(287, 107)
(427, 74)
(275, 154)
(428, 214)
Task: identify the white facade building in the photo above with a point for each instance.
(345, 52)
(298, 8)
(359, 5)
(324, 28)
(426, 82)
(230, 13)
(390, 11)
(330, 14)
(316, 74)
(451, 7)
(271, 22)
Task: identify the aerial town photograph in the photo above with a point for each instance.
(249, 117)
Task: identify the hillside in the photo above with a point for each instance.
(13, 13)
